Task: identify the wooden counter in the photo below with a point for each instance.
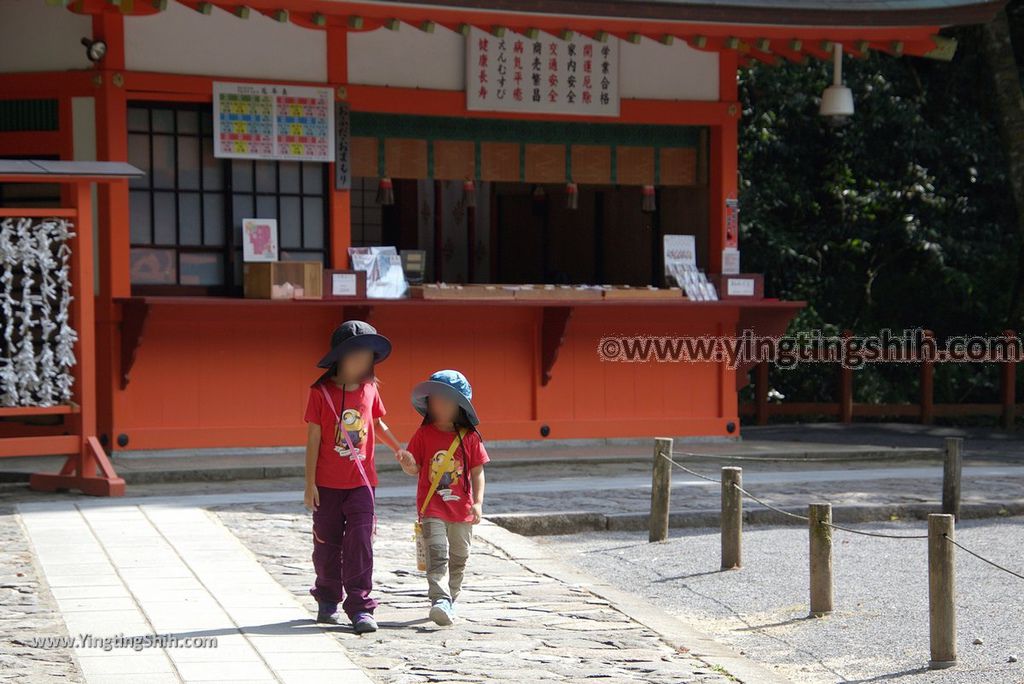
(215, 371)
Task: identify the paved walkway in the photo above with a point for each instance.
(121, 570)
(167, 565)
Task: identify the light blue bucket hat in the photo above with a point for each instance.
(447, 383)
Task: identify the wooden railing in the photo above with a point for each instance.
(925, 410)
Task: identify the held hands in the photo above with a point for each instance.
(312, 497)
(477, 512)
(407, 461)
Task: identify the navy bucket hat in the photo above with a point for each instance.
(447, 383)
(356, 335)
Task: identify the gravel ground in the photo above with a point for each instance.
(513, 624)
(27, 611)
(879, 631)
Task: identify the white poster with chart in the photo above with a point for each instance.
(261, 121)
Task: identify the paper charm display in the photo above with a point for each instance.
(36, 338)
(259, 239)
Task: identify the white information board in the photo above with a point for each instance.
(548, 74)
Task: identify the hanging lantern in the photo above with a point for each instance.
(648, 204)
(572, 196)
(385, 192)
(469, 193)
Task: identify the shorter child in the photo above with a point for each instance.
(448, 455)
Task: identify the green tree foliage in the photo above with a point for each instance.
(901, 218)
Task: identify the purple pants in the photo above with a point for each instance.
(343, 549)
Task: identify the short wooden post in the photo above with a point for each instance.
(732, 517)
(1008, 370)
(661, 486)
(951, 468)
(941, 590)
(927, 384)
(820, 516)
(761, 393)
(846, 387)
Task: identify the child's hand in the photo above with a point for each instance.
(405, 457)
(477, 512)
(311, 497)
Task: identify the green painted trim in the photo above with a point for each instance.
(29, 115)
(376, 125)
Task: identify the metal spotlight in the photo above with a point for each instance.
(95, 50)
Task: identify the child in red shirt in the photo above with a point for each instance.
(344, 413)
(448, 455)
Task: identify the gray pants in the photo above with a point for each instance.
(447, 552)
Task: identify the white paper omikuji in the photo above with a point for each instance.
(36, 338)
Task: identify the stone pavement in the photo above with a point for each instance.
(166, 565)
(123, 571)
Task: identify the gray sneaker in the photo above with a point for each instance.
(327, 613)
(363, 623)
(441, 612)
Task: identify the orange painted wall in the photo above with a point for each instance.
(237, 375)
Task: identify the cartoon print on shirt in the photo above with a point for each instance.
(448, 478)
(352, 422)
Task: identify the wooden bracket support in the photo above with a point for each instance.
(88, 471)
(133, 324)
(552, 333)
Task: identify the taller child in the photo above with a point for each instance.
(344, 414)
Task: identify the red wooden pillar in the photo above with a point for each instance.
(723, 167)
(846, 389)
(340, 201)
(113, 211)
(1008, 385)
(927, 381)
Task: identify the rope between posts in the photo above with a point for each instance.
(795, 515)
(874, 534)
(692, 472)
(979, 557)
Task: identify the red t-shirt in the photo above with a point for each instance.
(336, 466)
(452, 500)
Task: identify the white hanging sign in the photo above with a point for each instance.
(260, 121)
(514, 73)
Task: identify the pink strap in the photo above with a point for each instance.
(348, 440)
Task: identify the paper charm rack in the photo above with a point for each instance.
(47, 325)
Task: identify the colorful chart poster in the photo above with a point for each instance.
(514, 73)
(259, 121)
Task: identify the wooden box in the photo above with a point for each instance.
(738, 285)
(344, 284)
(556, 292)
(283, 280)
(445, 291)
(618, 292)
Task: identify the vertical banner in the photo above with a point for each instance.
(288, 123)
(732, 220)
(548, 74)
(342, 141)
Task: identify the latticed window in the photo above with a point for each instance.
(187, 212)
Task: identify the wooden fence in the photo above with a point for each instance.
(925, 410)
